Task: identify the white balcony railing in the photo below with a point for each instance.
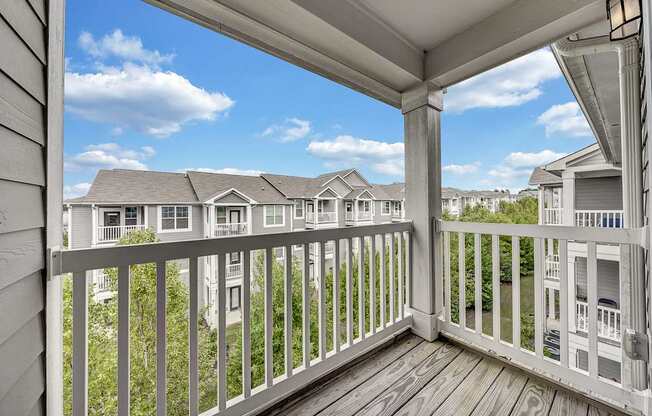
(364, 215)
(372, 331)
(552, 267)
(102, 283)
(349, 216)
(608, 320)
(553, 216)
(324, 217)
(233, 270)
(599, 218)
(112, 233)
(532, 348)
(230, 229)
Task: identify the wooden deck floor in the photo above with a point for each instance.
(412, 377)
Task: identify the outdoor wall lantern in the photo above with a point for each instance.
(624, 18)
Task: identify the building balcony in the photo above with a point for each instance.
(609, 326)
(552, 267)
(599, 218)
(230, 229)
(233, 271)
(553, 216)
(326, 219)
(353, 218)
(113, 233)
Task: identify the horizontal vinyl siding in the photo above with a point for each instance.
(82, 226)
(608, 279)
(258, 221)
(599, 193)
(197, 225)
(606, 368)
(23, 40)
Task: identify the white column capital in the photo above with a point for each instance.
(422, 95)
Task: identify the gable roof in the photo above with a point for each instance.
(541, 176)
(211, 185)
(123, 186)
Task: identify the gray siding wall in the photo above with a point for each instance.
(23, 144)
(339, 186)
(606, 368)
(82, 226)
(599, 193)
(379, 218)
(608, 279)
(197, 225)
(299, 224)
(258, 221)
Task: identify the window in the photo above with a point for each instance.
(234, 258)
(298, 209)
(274, 215)
(131, 215)
(220, 215)
(397, 207)
(175, 219)
(234, 298)
(386, 207)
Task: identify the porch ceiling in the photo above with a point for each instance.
(383, 47)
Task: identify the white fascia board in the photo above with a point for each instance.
(232, 190)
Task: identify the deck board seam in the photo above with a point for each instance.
(488, 389)
(520, 393)
(300, 400)
(552, 402)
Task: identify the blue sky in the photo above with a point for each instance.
(170, 95)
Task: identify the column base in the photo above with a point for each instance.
(425, 325)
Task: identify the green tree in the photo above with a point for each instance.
(102, 342)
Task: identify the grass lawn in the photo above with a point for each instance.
(527, 307)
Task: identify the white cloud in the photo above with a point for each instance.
(74, 191)
(508, 85)
(566, 120)
(141, 98)
(517, 167)
(349, 151)
(229, 171)
(531, 160)
(291, 130)
(462, 169)
(109, 156)
(116, 44)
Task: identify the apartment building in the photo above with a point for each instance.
(583, 189)
(191, 205)
(455, 200)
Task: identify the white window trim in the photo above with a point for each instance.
(303, 209)
(265, 217)
(382, 208)
(176, 230)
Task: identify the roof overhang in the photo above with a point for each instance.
(230, 191)
(383, 48)
(319, 195)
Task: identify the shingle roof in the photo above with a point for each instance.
(541, 176)
(138, 186)
(295, 186)
(208, 185)
(394, 191)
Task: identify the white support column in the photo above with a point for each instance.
(568, 198)
(93, 225)
(572, 309)
(421, 108)
(630, 138)
(146, 214)
(250, 218)
(646, 40)
(542, 205)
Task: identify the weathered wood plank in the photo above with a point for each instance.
(566, 404)
(467, 395)
(367, 391)
(535, 400)
(23, 210)
(21, 160)
(20, 112)
(21, 64)
(23, 19)
(504, 393)
(439, 388)
(597, 411)
(323, 396)
(403, 389)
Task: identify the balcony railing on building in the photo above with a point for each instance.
(553, 216)
(552, 266)
(328, 217)
(233, 270)
(608, 320)
(230, 229)
(599, 218)
(113, 233)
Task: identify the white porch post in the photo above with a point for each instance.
(572, 309)
(542, 204)
(93, 225)
(630, 137)
(421, 108)
(568, 198)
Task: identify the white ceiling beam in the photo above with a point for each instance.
(517, 29)
(230, 22)
(362, 26)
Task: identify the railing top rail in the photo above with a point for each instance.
(602, 235)
(617, 211)
(78, 260)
